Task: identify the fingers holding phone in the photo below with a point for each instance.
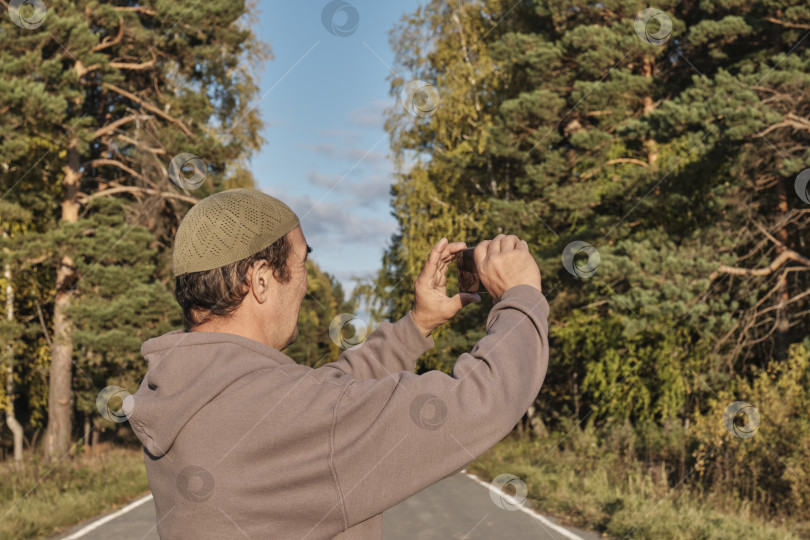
(497, 265)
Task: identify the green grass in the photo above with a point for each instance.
(39, 501)
(621, 500)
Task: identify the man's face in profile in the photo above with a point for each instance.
(291, 294)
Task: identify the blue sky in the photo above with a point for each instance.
(327, 154)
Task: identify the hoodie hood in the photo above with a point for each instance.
(187, 370)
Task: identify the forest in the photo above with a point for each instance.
(655, 159)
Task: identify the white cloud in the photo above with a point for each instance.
(330, 223)
(355, 155)
(372, 191)
(326, 149)
(370, 115)
(322, 180)
(352, 135)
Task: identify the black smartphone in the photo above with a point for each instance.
(468, 279)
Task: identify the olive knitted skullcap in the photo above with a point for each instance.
(227, 227)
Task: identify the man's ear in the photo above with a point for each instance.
(259, 278)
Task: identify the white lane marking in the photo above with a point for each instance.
(98, 523)
(563, 531)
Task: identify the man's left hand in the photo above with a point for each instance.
(431, 307)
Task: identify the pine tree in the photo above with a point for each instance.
(640, 133)
(116, 92)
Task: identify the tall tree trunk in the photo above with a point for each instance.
(781, 339)
(648, 71)
(11, 420)
(60, 402)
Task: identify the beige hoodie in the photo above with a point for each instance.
(242, 442)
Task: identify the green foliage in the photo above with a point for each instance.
(25, 351)
(119, 304)
(96, 102)
(773, 460)
(676, 162)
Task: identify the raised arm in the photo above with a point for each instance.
(396, 436)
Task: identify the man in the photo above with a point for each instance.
(240, 441)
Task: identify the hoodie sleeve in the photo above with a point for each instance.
(395, 436)
(389, 349)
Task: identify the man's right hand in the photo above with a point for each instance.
(505, 262)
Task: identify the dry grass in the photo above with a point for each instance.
(38, 501)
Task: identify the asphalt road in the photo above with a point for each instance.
(459, 506)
